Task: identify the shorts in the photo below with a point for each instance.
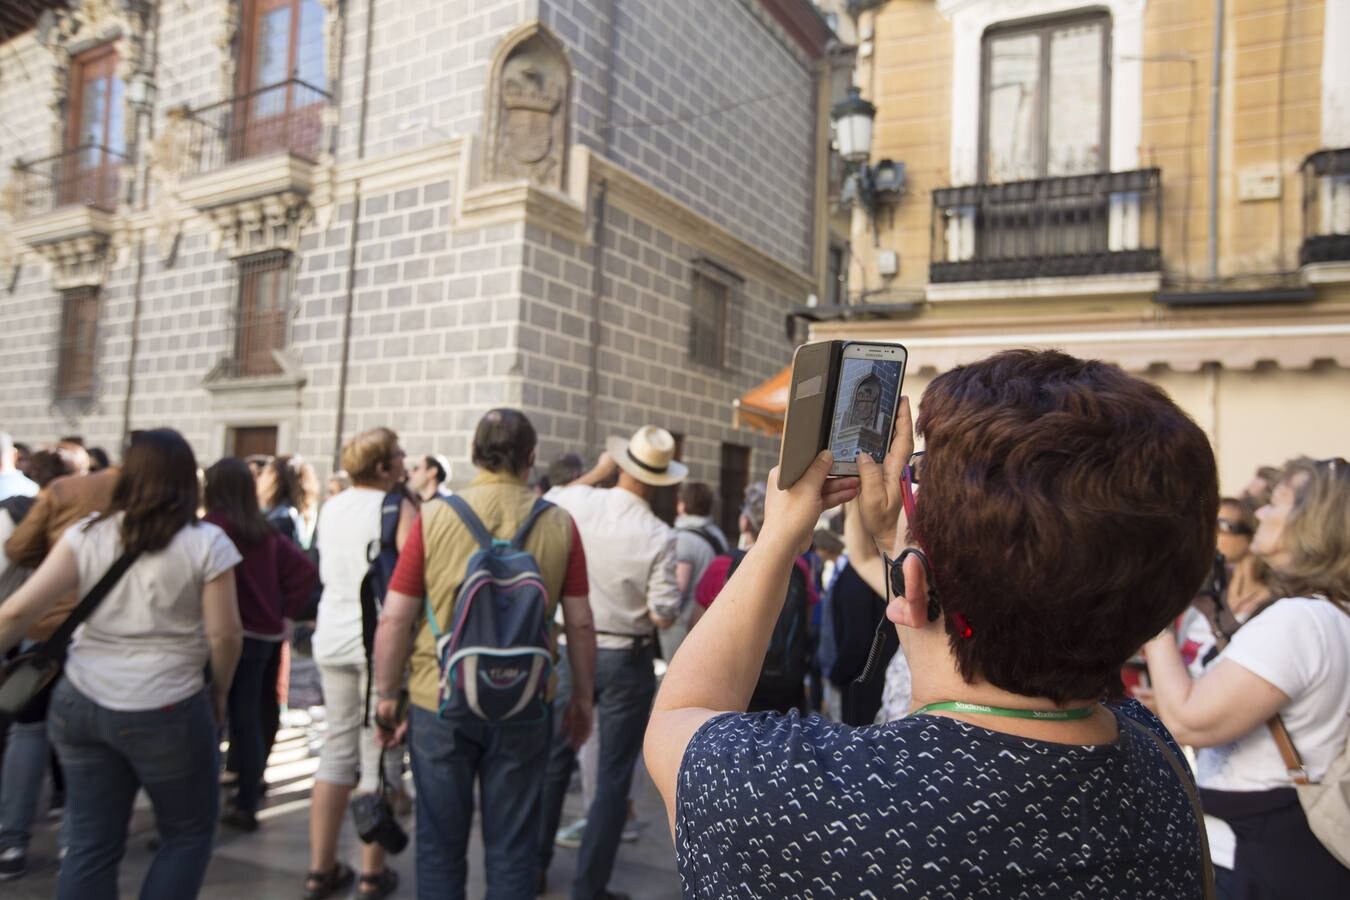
(350, 755)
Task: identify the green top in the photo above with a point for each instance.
(1054, 715)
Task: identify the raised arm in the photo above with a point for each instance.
(718, 663)
(1223, 704)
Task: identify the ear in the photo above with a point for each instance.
(912, 609)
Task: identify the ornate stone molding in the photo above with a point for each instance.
(529, 98)
(274, 222)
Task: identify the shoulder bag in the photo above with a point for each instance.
(26, 676)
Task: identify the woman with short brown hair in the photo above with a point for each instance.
(1064, 514)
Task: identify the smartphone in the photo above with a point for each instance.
(865, 398)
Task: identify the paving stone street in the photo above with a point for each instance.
(270, 864)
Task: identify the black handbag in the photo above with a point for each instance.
(26, 676)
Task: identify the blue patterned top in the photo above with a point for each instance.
(774, 806)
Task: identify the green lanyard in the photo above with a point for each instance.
(1053, 715)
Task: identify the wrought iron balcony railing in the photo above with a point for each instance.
(1101, 224)
(280, 118)
(1326, 207)
(88, 175)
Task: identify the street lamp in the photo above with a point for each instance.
(852, 119)
(867, 185)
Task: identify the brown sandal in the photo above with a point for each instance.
(326, 884)
(377, 886)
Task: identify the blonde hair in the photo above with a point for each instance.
(1317, 532)
(363, 454)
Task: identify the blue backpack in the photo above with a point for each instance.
(496, 659)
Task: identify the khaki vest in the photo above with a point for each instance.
(502, 502)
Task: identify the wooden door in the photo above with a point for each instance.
(255, 440)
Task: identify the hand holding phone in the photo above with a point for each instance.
(843, 397)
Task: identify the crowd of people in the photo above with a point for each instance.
(969, 671)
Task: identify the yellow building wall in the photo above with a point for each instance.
(1271, 117)
(908, 77)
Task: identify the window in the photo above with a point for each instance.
(79, 330)
(1046, 99)
(282, 82)
(708, 320)
(96, 130)
(264, 303)
(733, 479)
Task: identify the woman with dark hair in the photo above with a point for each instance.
(133, 709)
(1283, 677)
(1062, 513)
(273, 582)
(280, 497)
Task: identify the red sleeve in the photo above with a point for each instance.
(812, 595)
(299, 576)
(712, 582)
(408, 575)
(575, 582)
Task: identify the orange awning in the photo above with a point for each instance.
(764, 405)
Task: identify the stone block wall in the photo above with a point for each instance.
(711, 104)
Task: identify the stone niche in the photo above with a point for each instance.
(529, 95)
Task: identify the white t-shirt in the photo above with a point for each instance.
(348, 524)
(1302, 646)
(145, 646)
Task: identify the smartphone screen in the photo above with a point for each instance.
(864, 405)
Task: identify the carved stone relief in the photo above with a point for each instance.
(527, 112)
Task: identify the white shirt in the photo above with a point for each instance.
(348, 524)
(16, 484)
(1302, 646)
(145, 647)
(630, 561)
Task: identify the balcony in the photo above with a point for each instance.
(1077, 226)
(250, 163)
(1326, 208)
(67, 207)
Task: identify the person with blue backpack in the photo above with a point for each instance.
(471, 606)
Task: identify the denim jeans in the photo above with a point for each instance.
(108, 755)
(21, 776)
(624, 687)
(247, 738)
(508, 763)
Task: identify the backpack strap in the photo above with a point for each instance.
(718, 548)
(540, 507)
(471, 521)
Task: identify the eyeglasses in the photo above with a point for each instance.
(1228, 526)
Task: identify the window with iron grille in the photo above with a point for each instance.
(264, 305)
(79, 331)
(708, 320)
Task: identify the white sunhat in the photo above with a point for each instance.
(649, 456)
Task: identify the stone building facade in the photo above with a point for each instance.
(1130, 180)
(273, 223)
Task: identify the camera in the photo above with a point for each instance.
(375, 822)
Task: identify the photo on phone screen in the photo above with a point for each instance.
(864, 408)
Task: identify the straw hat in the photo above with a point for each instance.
(649, 456)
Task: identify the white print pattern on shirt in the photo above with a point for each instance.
(779, 807)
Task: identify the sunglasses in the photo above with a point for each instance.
(1228, 526)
